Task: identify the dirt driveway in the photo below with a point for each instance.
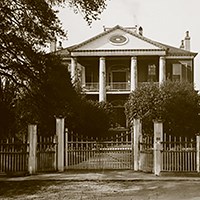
(100, 190)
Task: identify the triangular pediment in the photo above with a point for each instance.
(118, 38)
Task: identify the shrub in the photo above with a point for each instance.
(176, 103)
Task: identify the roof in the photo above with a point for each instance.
(170, 50)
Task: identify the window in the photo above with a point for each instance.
(176, 72)
(152, 72)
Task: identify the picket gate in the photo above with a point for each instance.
(146, 153)
(98, 153)
(46, 153)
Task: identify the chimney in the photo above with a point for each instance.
(140, 31)
(53, 45)
(187, 41)
(182, 45)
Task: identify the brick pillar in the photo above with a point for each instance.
(32, 138)
(198, 152)
(158, 139)
(60, 136)
(137, 134)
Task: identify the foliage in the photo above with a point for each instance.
(90, 9)
(26, 26)
(176, 103)
(52, 96)
(44, 87)
(8, 98)
(92, 118)
(183, 108)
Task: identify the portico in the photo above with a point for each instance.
(114, 75)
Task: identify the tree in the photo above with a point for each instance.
(26, 26)
(52, 96)
(8, 98)
(175, 103)
(91, 118)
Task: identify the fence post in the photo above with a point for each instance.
(198, 152)
(158, 139)
(32, 136)
(66, 147)
(60, 135)
(137, 132)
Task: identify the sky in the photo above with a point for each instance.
(164, 21)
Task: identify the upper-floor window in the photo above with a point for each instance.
(152, 72)
(176, 72)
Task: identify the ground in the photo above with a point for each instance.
(99, 190)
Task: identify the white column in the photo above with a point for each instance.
(162, 70)
(134, 79)
(102, 79)
(83, 76)
(73, 69)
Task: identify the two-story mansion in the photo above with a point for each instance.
(112, 64)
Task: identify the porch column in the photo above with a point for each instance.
(134, 79)
(83, 76)
(73, 69)
(102, 79)
(162, 70)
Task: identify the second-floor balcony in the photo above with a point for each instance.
(116, 86)
(112, 86)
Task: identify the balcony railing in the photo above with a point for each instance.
(115, 86)
(92, 86)
(147, 83)
(118, 86)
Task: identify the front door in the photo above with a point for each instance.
(119, 80)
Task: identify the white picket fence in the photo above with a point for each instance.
(35, 154)
(179, 154)
(155, 153)
(165, 153)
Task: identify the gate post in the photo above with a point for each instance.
(32, 138)
(137, 132)
(66, 147)
(198, 152)
(60, 135)
(158, 139)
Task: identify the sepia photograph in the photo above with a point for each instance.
(99, 100)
